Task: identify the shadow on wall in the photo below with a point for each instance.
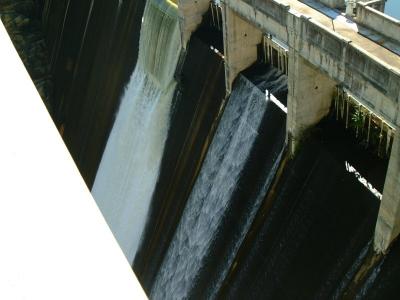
(93, 48)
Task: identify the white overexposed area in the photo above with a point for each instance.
(55, 243)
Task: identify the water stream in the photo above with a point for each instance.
(232, 183)
(129, 167)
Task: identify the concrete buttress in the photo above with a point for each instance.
(309, 98)
(388, 223)
(190, 16)
(240, 44)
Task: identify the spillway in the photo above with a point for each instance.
(317, 230)
(196, 111)
(230, 187)
(129, 168)
(215, 197)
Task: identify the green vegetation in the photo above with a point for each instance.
(369, 129)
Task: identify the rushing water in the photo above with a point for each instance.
(220, 194)
(195, 112)
(130, 165)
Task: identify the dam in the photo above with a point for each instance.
(237, 149)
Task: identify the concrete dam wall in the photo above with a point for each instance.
(237, 149)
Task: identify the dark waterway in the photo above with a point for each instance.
(383, 281)
(321, 221)
(235, 176)
(200, 96)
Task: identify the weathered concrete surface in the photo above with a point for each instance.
(388, 223)
(378, 21)
(377, 4)
(240, 45)
(190, 16)
(309, 98)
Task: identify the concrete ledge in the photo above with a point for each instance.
(378, 21)
(275, 10)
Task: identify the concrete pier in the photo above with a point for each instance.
(309, 99)
(240, 45)
(388, 223)
(190, 16)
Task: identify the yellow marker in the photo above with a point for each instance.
(171, 2)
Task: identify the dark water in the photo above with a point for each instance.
(232, 183)
(197, 104)
(320, 222)
(384, 280)
(211, 32)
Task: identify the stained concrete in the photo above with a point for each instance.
(309, 99)
(240, 45)
(378, 21)
(190, 16)
(388, 223)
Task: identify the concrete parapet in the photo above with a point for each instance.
(388, 223)
(309, 99)
(190, 16)
(334, 3)
(274, 9)
(259, 14)
(373, 81)
(378, 21)
(240, 44)
(376, 85)
(377, 4)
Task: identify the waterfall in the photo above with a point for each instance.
(214, 194)
(130, 164)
